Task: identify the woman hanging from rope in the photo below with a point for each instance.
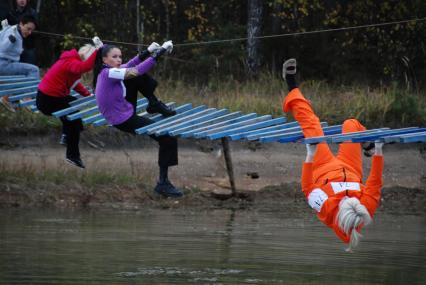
(54, 93)
(109, 80)
(333, 184)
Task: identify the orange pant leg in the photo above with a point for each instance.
(302, 111)
(350, 153)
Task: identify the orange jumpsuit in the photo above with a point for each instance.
(329, 178)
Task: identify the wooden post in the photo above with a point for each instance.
(228, 161)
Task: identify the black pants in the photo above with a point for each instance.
(48, 105)
(145, 84)
(168, 153)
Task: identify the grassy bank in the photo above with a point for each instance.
(385, 106)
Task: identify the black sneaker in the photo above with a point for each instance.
(63, 139)
(368, 148)
(167, 189)
(75, 161)
(160, 107)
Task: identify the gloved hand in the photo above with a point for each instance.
(97, 41)
(168, 46)
(4, 23)
(153, 47)
(378, 148)
(311, 149)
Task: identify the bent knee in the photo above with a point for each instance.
(352, 125)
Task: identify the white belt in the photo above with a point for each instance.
(343, 186)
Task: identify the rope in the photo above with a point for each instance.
(246, 38)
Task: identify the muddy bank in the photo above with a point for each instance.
(121, 172)
(284, 198)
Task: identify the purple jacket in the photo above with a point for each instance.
(111, 92)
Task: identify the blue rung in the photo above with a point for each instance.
(18, 90)
(376, 136)
(413, 138)
(279, 132)
(16, 79)
(22, 96)
(294, 135)
(226, 130)
(27, 103)
(172, 120)
(239, 132)
(164, 128)
(12, 76)
(15, 85)
(74, 108)
(196, 121)
(188, 131)
(204, 131)
(341, 137)
(269, 129)
(81, 99)
(261, 127)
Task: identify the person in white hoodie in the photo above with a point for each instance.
(11, 39)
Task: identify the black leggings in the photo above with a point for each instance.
(48, 105)
(168, 153)
(145, 84)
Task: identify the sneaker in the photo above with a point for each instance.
(167, 189)
(289, 67)
(63, 139)
(368, 148)
(75, 161)
(160, 107)
(6, 103)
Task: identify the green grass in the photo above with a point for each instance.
(385, 106)
(30, 175)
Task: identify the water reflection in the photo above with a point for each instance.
(212, 247)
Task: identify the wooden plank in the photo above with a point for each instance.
(247, 127)
(187, 131)
(196, 121)
(18, 90)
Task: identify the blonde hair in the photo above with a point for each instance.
(351, 214)
(86, 51)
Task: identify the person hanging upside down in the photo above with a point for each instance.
(333, 184)
(109, 80)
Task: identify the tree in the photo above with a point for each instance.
(254, 28)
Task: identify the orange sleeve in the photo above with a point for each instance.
(307, 183)
(375, 180)
(80, 67)
(82, 90)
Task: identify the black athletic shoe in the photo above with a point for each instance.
(63, 139)
(167, 189)
(368, 148)
(75, 161)
(160, 107)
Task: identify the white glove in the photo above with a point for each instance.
(378, 148)
(311, 149)
(4, 24)
(168, 46)
(153, 47)
(97, 41)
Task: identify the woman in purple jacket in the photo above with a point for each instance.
(109, 75)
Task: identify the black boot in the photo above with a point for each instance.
(156, 106)
(167, 189)
(76, 161)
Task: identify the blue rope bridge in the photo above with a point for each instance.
(201, 122)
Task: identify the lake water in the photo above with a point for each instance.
(197, 247)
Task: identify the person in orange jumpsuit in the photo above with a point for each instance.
(333, 184)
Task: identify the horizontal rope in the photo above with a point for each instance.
(246, 38)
